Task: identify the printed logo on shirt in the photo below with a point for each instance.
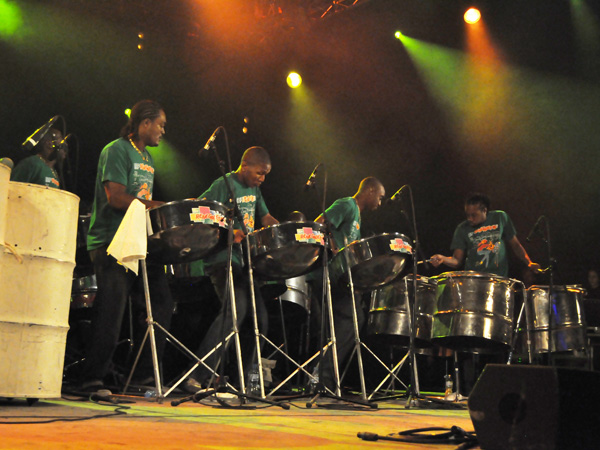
(205, 215)
(309, 236)
(247, 199)
(486, 228)
(145, 167)
(144, 192)
(54, 181)
(249, 221)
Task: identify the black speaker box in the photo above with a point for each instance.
(536, 407)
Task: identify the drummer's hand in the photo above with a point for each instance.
(152, 203)
(436, 260)
(238, 236)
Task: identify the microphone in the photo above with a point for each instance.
(535, 228)
(311, 180)
(38, 134)
(210, 141)
(397, 194)
(7, 162)
(63, 143)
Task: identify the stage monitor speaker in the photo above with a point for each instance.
(536, 407)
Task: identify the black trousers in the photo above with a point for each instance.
(223, 323)
(115, 285)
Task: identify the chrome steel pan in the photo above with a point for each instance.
(187, 230)
(389, 315)
(473, 311)
(568, 321)
(286, 250)
(374, 261)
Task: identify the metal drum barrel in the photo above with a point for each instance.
(186, 230)
(473, 311)
(286, 250)
(389, 314)
(4, 179)
(36, 283)
(568, 324)
(374, 261)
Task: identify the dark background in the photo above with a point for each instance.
(519, 121)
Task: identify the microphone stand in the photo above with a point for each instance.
(229, 300)
(326, 314)
(414, 397)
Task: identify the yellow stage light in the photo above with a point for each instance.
(472, 15)
(294, 80)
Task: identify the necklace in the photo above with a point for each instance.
(144, 157)
(51, 168)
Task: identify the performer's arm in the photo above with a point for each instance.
(454, 261)
(520, 253)
(118, 197)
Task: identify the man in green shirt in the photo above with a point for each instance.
(40, 168)
(344, 217)
(245, 183)
(482, 240)
(125, 173)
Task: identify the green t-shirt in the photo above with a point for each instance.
(250, 203)
(34, 170)
(485, 244)
(120, 163)
(344, 215)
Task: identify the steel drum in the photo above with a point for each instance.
(84, 292)
(568, 322)
(286, 250)
(389, 315)
(375, 261)
(473, 311)
(186, 230)
(295, 300)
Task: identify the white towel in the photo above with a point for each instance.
(130, 242)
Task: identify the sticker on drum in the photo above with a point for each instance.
(286, 250)
(375, 261)
(186, 230)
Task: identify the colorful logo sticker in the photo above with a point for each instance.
(309, 236)
(399, 245)
(207, 216)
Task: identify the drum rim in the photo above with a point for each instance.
(189, 200)
(472, 274)
(391, 233)
(280, 224)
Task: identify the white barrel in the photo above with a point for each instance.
(4, 180)
(41, 227)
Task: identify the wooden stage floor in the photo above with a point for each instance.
(134, 422)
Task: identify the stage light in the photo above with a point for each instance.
(472, 15)
(11, 19)
(398, 35)
(127, 112)
(294, 80)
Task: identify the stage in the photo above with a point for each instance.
(136, 422)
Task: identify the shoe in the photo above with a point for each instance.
(191, 386)
(92, 386)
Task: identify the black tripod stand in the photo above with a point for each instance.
(219, 383)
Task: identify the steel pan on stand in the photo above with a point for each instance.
(186, 230)
(286, 250)
(389, 314)
(473, 311)
(568, 324)
(374, 261)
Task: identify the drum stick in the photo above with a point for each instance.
(424, 261)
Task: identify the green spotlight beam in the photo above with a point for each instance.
(11, 20)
